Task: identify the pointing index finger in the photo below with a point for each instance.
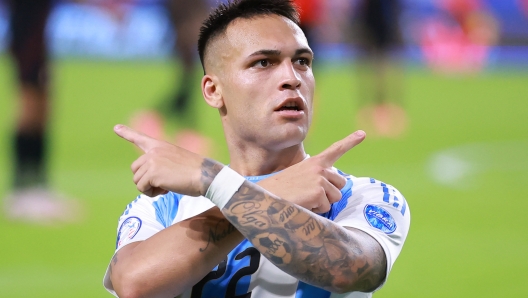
(144, 142)
(331, 154)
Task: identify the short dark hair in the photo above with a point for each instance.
(224, 14)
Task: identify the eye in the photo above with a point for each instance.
(303, 61)
(263, 63)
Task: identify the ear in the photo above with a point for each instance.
(212, 92)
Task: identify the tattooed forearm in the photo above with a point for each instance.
(305, 245)
(210, 169)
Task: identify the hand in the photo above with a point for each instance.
(163, 167)
(313, 183)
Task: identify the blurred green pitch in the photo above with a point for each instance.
(464, 241)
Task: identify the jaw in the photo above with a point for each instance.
(286, 135)
(270, 137)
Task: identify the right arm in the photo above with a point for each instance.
(174, 259)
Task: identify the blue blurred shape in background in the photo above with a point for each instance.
(142, 30)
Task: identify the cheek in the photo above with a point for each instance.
(247, 93)
(309, 90)
(310, 81)
(242, 102)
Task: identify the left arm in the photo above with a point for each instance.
(297, 240)
(306, 245)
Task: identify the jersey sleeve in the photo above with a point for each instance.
(379, 210)
(141, 219)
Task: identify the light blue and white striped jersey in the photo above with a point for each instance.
(366, 204)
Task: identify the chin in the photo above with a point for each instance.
(291, 138)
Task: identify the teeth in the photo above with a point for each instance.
(290, 105)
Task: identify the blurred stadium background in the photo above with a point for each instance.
(462, 163)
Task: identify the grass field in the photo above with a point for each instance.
(462, 166)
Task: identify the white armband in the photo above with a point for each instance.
(224, 186)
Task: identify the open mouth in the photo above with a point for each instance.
(290, 106)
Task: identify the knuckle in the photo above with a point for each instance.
(152, 163)
(324, 208)
(341, 182)
(153, 181)
(320, 192)
(336, 198)
(337, 146)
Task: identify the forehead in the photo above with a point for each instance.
(271, 32)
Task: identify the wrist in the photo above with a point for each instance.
(210, 168)
(224, 185)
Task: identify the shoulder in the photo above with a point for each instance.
(146, 216)
(159, 207)
(157, 202)
(372, 196)
(369, 187)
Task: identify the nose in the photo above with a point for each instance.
(291, 79)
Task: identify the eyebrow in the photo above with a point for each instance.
(304, 51)
(266, 53)
(277, 52)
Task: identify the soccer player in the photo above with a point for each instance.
(382, 108)
(275, 222)
(31, 199)
(186, 17)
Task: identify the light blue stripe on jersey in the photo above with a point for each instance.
(166, 208)
(386, 195)
(396, 204)
(305, 290)
(336, 208)
(404, 207)
(256, 179)
(127, 210)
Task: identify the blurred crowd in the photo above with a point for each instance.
(431, 30)
(449, 36)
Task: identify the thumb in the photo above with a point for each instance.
(331, 154)
(144, 142)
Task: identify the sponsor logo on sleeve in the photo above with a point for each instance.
(380, 219)
(129, 228)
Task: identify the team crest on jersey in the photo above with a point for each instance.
(380, 219)
(129, 228)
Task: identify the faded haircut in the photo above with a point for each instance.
(218, 20)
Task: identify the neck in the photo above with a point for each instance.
(258, 161)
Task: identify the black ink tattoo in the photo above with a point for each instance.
(114, 259)
(221, 230)
(112, 263)
(210, 169)
(305, 245)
